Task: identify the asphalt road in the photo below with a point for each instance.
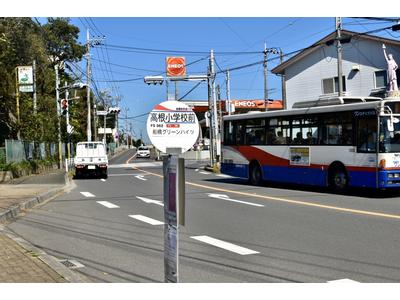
(234, 232)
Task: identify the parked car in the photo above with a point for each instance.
(143, 151)
(91, 159)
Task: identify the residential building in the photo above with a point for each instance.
(312, 74)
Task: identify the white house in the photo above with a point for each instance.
(312, 73)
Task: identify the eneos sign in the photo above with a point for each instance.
(172, 124)
(176, 67)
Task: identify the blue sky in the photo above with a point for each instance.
(224, 34)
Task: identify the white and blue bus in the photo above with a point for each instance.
(340, 142)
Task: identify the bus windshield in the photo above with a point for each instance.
(389, 141)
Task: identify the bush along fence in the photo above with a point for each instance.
(21, 158)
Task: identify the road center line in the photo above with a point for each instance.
(146, 219)
(102, 179)
(132, 157)
(87, 194)
(311, 204)
(107, 204)
(224, 245)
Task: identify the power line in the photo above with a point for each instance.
(128, 67)
(191, 90)
(168, 51)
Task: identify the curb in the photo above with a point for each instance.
(51, 261)
(12, 213)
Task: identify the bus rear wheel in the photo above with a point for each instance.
(255, 174)
(338, 179)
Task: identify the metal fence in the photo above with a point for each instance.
(17, 151)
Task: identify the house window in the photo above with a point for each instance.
(331, 85)
(380, 79)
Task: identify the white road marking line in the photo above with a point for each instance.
(103, 180)
(107, 204)
(205, 173)
(223, 175)
(132, 174)
(141, 177)
(196, 170)
(147, 200)
(146, 219)
(344, 280)
(136, 165)
(87, 194)
(226, 198)
(224, 245)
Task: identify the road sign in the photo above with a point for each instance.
(26, 88)
(172, 124)
(25, 75)
(70, 129)
(102, 113)
(176, 67)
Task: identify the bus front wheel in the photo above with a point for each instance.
(338, 179)
(255, 174)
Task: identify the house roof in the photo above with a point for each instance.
(314, 47)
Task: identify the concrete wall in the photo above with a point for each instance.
(304, 78)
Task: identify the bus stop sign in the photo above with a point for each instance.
(172, 124)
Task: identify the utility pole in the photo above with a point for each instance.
(219, 102)
(88, 76)
(215, 127)
(210, 117)
(17, 103)
(34, 87)
(228, 92)
(117, 99)
(95, 118)
(67, 122)
(126, 124)
(266, 76)
(338, 24)
(105, 122)
(283, 83)
(58, 117)
(176, 90)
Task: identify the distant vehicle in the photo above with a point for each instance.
(143, 152)
(339, 142)
(91, 158)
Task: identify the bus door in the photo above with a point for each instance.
(366, 148)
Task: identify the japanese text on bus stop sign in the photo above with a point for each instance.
(172, 124)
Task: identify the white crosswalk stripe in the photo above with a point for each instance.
(224, 245)
(146, 220)
(87, 194)
(107, 204)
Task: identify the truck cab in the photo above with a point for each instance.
(91, 159)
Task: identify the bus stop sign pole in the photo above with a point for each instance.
(174, 194)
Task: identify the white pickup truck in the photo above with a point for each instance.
(91, 158)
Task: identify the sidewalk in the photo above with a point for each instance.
(19, 260)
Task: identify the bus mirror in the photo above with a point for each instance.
(390, 126)
(391, 122)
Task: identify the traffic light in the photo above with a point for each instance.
(64, 106)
